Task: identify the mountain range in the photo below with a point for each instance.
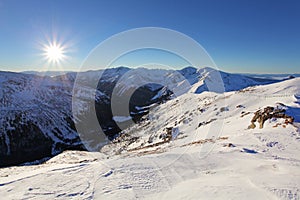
(242, 143)
(36, 111)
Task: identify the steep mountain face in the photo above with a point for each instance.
(36, 115)
(36, 119)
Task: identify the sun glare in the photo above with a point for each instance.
(54, 52)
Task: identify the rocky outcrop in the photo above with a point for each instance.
(268, 113)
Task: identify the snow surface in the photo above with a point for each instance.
(121, 118)
(212, 154)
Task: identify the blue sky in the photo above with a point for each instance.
(240, 35)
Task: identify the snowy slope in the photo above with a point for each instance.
(36, 111)
(211, 154)
(230, 82)
(36, 118)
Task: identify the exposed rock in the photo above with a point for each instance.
(223, 109)
(243, 113)
(268, 113)
(207, 122)
(168, 136)
(229, 145)
(240, 106)
(252, 126)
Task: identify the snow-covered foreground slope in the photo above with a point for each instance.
(197, 146)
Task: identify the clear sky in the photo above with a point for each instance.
(240, 35)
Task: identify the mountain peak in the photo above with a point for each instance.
(188, 70)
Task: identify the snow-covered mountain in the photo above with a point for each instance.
(36, 119)
(230, 82)
(273, 76)
(36, 116)
(195, 146)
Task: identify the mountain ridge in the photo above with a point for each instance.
(42, 106)
(193, 146)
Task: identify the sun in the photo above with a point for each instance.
(54, 53)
